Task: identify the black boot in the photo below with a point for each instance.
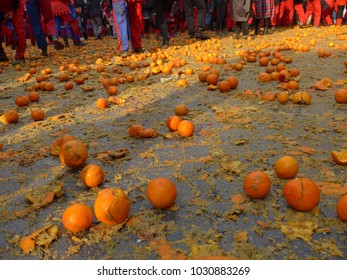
(244, 27)
(164, 32)
(237, 30)
(266, 26)
(66, 42)
(3, 56)
(199, 34)
(256, 26)
(44, 51)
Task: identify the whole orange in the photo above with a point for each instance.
(186, 128)
(341, 208)
(161, 192)
(257, 184)
(92, 175)
(286, 167)
(37, 114)
(77, 217)
(302, 194)
(172, 122)
(101, 103)
(11, 116)
(112, 206)
(181, 110)
(341, 96)
(73, 154)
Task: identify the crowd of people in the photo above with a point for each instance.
(130, 21)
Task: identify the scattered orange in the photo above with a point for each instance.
(49, 86)
(58, 143)
(77, 217)
(37, 114)
(283, 97)
(101, 103)
(112, 90)
(257, 184)
(92, 175)
(340, 157)
(292, 85)
(11, 116)
(234, 82)
(224, 86)
(161, 192)
(181, 83)
(212, 79)
(135, 129)
(22, 101)
(286, 167)
(73, 154)
(264, 77)
(112, 206)
(68, 86)
(341, 208)
(264, 61)
(172, 122)
(63, 77)
(341, 96)
(302, 194)
(186, 128)
(269, 96)
(301, 97)
(34, 96)
(27, 244)
(148, 133)
(202, 76)
(181, 110)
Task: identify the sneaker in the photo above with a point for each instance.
(79, 44)
(220, 33)
(200, 35)
(58, 45)
(18, 61)
(44, 51)
(192, 36)
(140, 50)
(124, 54)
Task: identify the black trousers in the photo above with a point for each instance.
(188, 6)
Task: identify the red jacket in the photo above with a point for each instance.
(60, 7)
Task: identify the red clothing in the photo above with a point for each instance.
(135, 19)
(299, 9)
(314, 8)
(60, 7)
(7, 6)
(286, 13)
(18, 25)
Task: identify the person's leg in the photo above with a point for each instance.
(99, 27)
(121, 24)
(135, 19)
(299, 9)
(3, 56)
(18, 24)
(201, 7)
(339, 14)
(34, 16)
(189, 14)
(317, 8)
(309, 12)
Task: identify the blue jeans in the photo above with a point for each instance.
(121, 14)
(34, 14)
